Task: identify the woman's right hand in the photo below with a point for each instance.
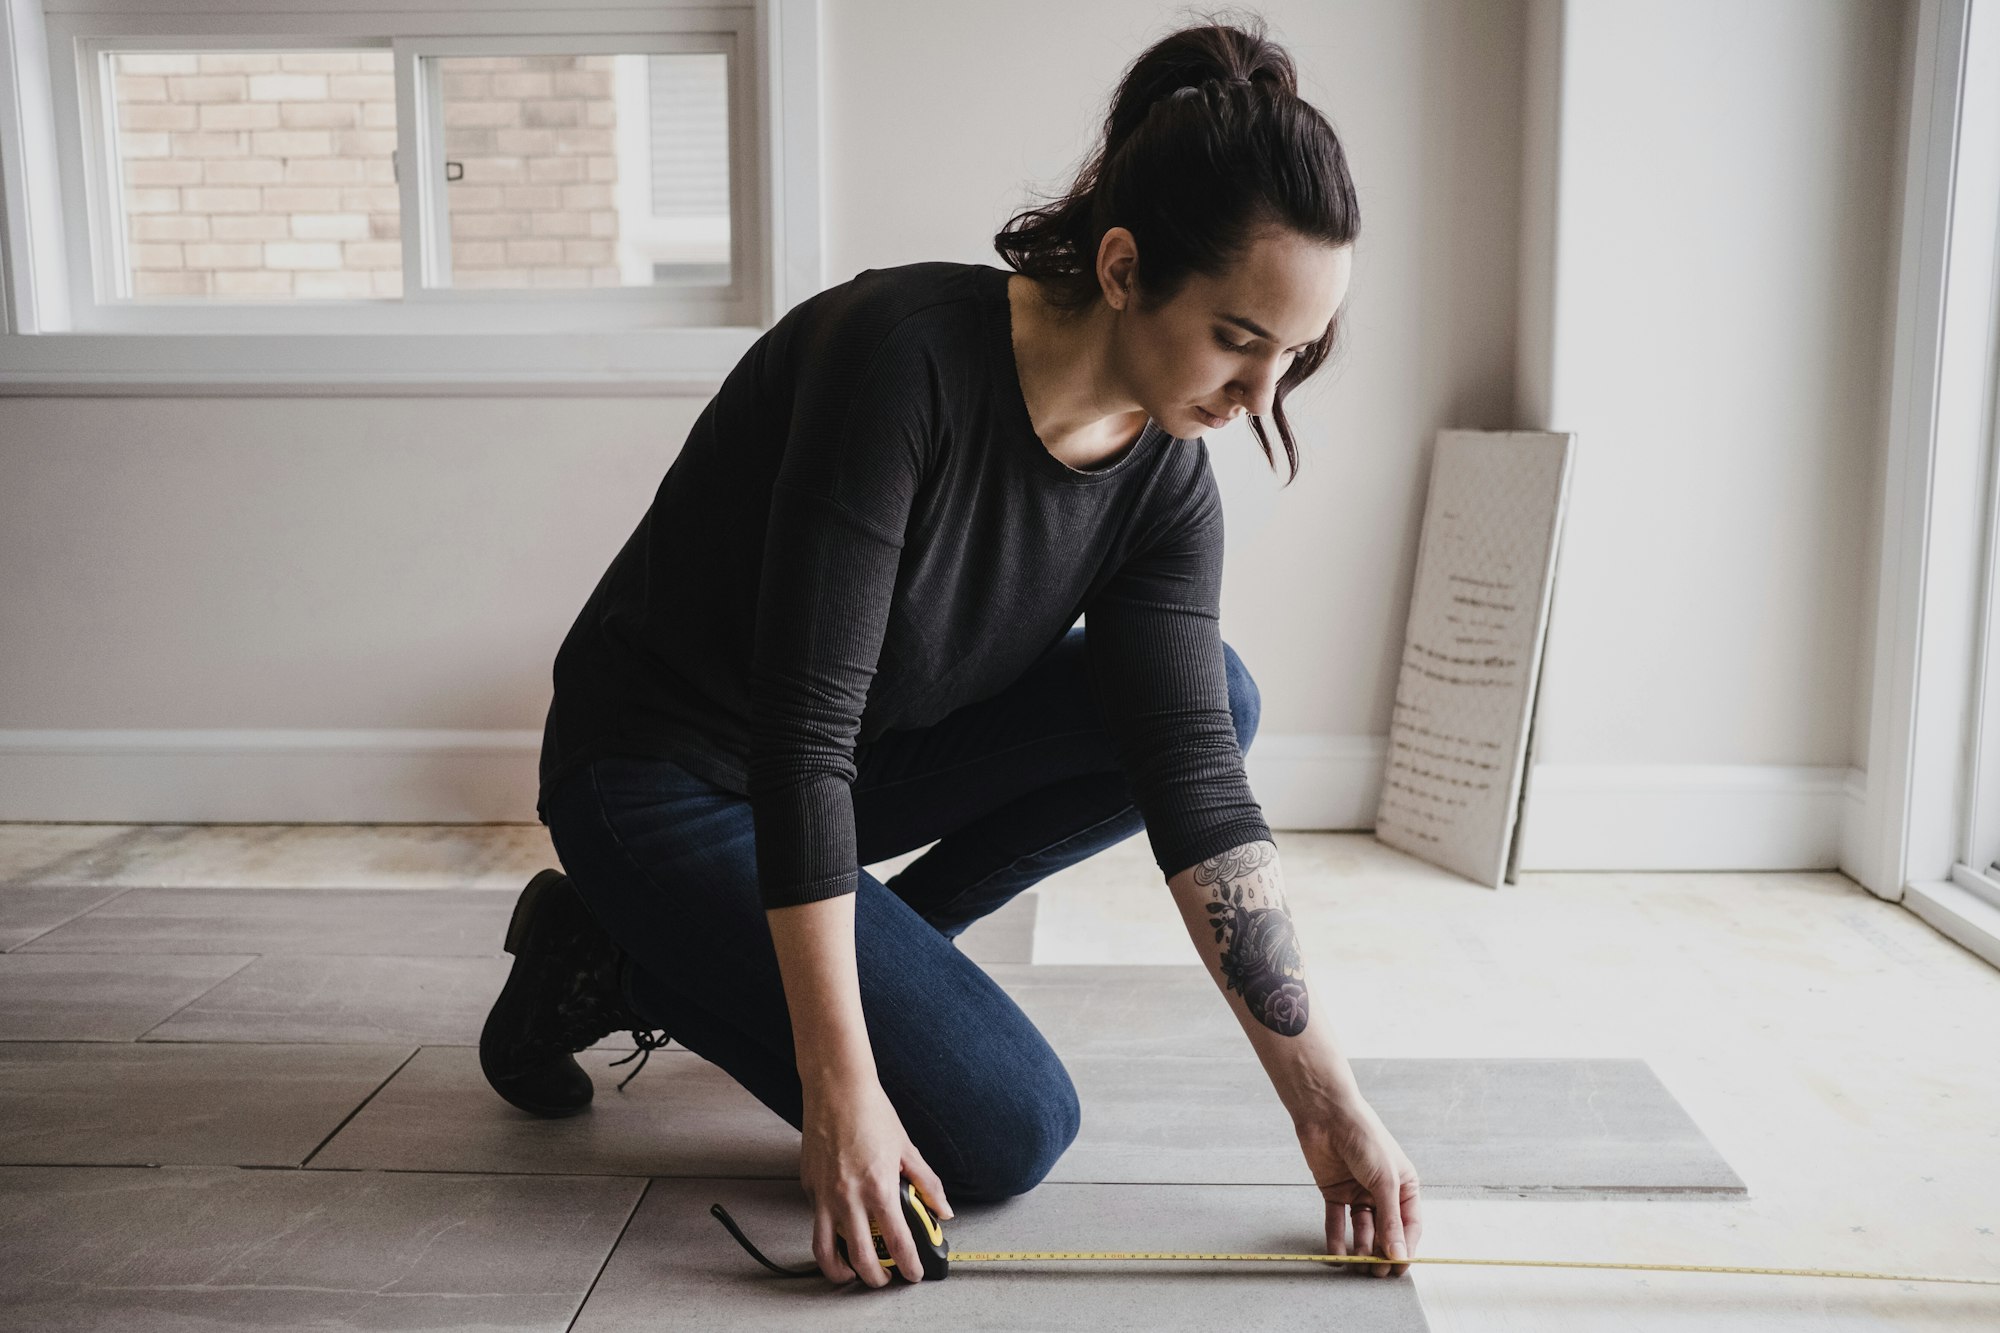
(853, 1154)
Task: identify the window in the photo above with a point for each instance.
(454, 191)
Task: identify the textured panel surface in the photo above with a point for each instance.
(205, 1248)
(676, 1257)
(101, 997)
(107, 1104)
(1478, 615)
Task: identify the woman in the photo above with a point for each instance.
(847, 628)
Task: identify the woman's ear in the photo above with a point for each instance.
(1117, 266)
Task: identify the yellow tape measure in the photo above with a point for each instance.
(1012, 1256)
(939, 1259)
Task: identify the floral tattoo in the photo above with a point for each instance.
(1260, 954)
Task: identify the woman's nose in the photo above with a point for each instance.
(1256, 394)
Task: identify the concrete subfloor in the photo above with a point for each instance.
(1834, 1049)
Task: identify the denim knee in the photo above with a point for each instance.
(1244, 701)
(1018, 1152)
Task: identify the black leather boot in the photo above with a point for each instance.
(562, 995)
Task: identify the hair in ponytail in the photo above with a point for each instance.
(1218, 104)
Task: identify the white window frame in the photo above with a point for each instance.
(642, 339)
(1921, 833)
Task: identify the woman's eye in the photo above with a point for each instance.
(1234, 347)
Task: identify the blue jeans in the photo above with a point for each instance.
(1011, 789)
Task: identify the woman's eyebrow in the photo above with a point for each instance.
(1252, 326)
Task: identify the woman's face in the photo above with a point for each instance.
(1217, 350)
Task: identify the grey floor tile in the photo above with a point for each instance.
(1471, 1127)
(67, 1103)
(337, 998)
(676, 1257)
(200, 1248)
(383, 922)
(682, 1116)
(1171, 1011)
(1004, 936)
(26, 912)
(101, 997)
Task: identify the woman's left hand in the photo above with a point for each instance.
(1360, 1170)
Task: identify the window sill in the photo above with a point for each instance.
(657, 361)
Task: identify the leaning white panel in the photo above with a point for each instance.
(1458, 740)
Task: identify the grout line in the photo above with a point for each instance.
(68, 920)
(414, 1052)
(591, 1290)
(249, 960)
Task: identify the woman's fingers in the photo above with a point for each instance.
(824, 1253)
(1364, 1235)
(1336, 1228)
(1412, 1214)
(927, 1183)
(861, 1250)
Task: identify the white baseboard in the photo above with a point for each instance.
(1580, 817)
(1308, 781)
(1687, 817)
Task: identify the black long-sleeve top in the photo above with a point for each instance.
(863, 533)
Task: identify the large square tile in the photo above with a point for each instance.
(1471, 1127)
(65, 1103)
(677, 1258)
(140, 1251)
(380, 922)
(101, 997)
(346, 998)
(29, 911)
(682, 1117)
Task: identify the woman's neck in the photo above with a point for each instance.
(1073, 399)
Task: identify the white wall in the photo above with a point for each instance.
(359, 564)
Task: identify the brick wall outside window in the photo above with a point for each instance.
(270, 174)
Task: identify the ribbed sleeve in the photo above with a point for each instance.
(853, 461)
(1154, 645)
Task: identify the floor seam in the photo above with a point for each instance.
(249, 960)
(346, 1119)
(616, 1241)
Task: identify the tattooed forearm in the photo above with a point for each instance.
(1260, 950)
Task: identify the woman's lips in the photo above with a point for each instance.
(1210, 418)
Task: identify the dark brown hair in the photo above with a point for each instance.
(1216, 103)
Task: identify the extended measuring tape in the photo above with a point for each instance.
(937, 1256)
